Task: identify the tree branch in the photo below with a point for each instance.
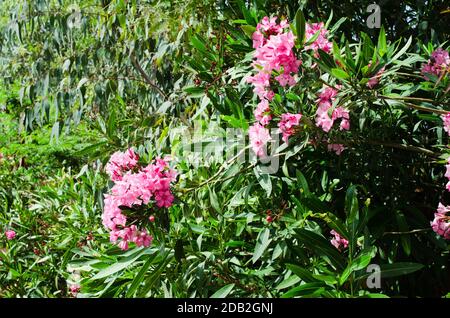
(408, 232)
(145, 76)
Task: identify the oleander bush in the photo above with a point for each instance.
(224, 149)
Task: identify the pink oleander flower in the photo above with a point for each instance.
(287, 123)
(437, 65)
(338, 241)
(337, 148)
(10, 234)
(374, 80)
(322, 40)
(341, 112)
(325, 103)
(262, 112)
(145, 185)
(446, 119)
(447, 174)
(74, 289)
(285, 80)
(441, 222)
(261, 82)
(323, 120)
(120, 162)
(259, 136)
(266, 28)
(277, 54)
(327, 94)
(273, 45)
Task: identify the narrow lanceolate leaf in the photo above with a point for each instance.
(262, 243)
(304, 274)
(140, 276)
(355, 265)
(339, 74)
(403, 49)
(321, 246)
(382, 45)
(300, 26)
(156, 273)
(394, 270)
(351, 202)
(403, 227)
(334, 222)
(248, 30)
(304, 290)
(288, 282)
(120, 265)
(223, 292)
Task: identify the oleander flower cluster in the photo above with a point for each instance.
(437, 65)
(326, 115)
(287, 124)
(275, 62)
(338, 241)
(10, 234)
(446, 120)
(441, 222)
(136, 189)
(374, 80)
(321, 42)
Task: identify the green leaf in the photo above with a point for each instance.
(334, 222)
(120, 265)
(194, 91)
(403, 227)
(262, 242)
(337, 53)
(288, 282)
(300, 25)
(248, 30)
(312, 39)
(337, 25)
(321, 246)
(339, 74)
(351, 203)
(91, 149)
(375, 295)
(235, 122)
(403, 49)
(246, 13)
(357, 264)
(200, 44)
(140, 276)
(214, 200)
(302, 183)
(352, 210)
(156, 274)
(326, 59)
(304, 274)
(395, 269)
(382, 45)
(223, 292)
(266, 183)
(303, 290)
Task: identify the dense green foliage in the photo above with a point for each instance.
(79, 82)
